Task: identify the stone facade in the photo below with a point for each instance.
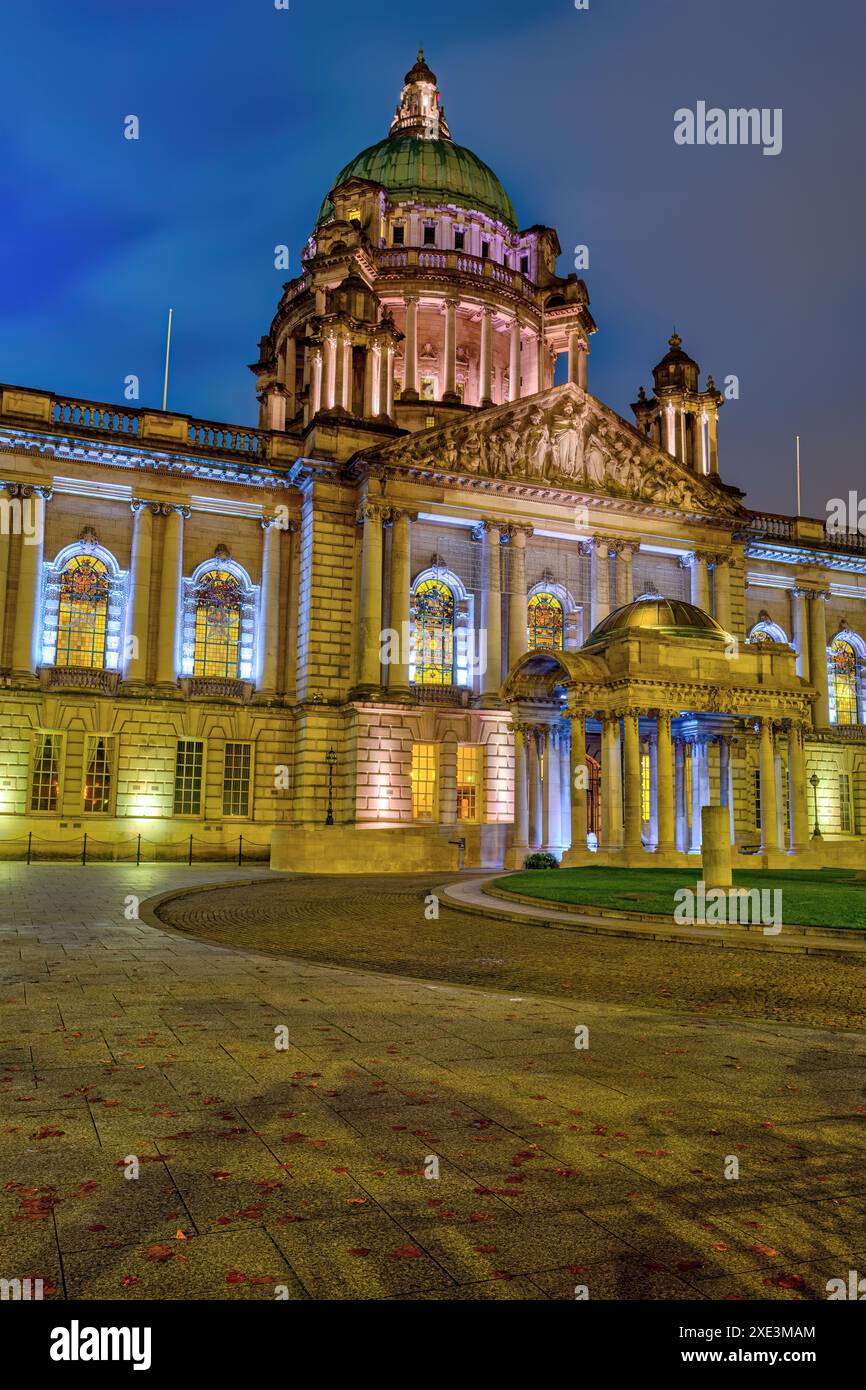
(411, 443)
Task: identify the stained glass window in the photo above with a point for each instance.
(434, 633)
(545, 621)
(844, 675)
(82, 613)
(217, 624)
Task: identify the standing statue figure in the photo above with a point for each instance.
(567, 441)
(538, 445)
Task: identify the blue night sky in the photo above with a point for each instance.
(247, 113)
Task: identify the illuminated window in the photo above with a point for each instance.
(461, 391)
(45, 778)
(398, 388)
(189, 764)
(429, 234)
(545, 621)
(845, 802)
(354, 215)
(236, 779)
(468, 781)
(98, 775)
(645, 788)
(434, 633)
(766, 631)
(217, 624)
(82, 613)
(423, 781)
(428, 388)
(844, 682)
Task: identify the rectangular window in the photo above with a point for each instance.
(459, 238)
(758, 821)
(354, 215)
(398, 389)
(98, 775)
(423, 781)
(645, 789)
(468, 781)
(45, 779)
(485, 250)
(461, 391)
(429, 234)
(428, 388)
(397, 234)
(845, 802)
(236, 779)
(188, 777)
(524, 265)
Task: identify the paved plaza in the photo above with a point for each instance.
(434, 1133)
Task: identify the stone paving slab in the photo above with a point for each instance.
(306, 1169)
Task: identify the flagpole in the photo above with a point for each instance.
(798, 476)
(167, 352)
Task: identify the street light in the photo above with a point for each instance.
(814, 783)
(330, 759)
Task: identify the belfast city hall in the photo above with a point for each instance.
(434, 608)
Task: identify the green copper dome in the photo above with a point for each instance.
(428, 172)
(652, 612)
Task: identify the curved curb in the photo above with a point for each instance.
(458, 896)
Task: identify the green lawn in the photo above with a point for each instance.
(810, 897)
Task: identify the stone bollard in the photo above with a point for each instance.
(716, 846)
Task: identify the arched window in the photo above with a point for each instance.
(433, 648)
(844, 682)
(545, 621)
(218, 639)
(83, 607)
(767, 631)
(82, 615)
(217, 624)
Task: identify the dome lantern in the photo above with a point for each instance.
(420, 111)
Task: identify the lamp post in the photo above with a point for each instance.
(330, 759)
(814, 783)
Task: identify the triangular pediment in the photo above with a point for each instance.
(566, 439)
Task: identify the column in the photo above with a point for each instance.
(800, 630)
(700, 579)
(269, 620)
(551, 827)
(517, 619)
(670, 429)
(486, 365)
(450, 389)
(316, 386)
(665, 786)
(389, 395)
(624, 580)
(534, 789)
(631, 783)
(329, 373)
(341, 376)
(514, 362)
(700, 463)
(652, 749)
(578, 783)
(697, 759)
(5, 551)
(169, 594)
(722, 582)
(401, 549)
(680, 794)
(138, 606)
(563, 743)
(291, 376)
(797, 791)
(713, 440)
(521, 787)
(25, 644)
(410, 383)
(611, 787)
(370, 382)
(725, 787)
(541, 358)
(370, 606)
(599, 581)
(819, 673)
(574, 354)
(491, 679)
(769, 814)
